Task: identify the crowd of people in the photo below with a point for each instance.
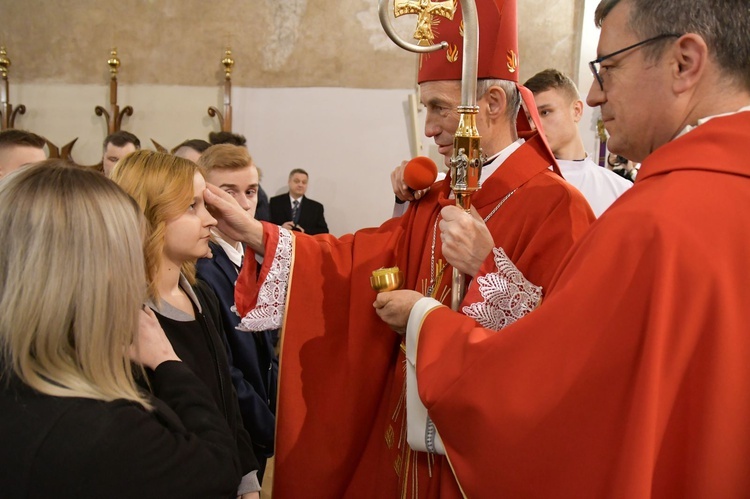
(599, 351)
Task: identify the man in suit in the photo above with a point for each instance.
(231, 168)
(294, 211)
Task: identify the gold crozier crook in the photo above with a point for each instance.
(424, 9)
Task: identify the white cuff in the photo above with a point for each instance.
(421, 433)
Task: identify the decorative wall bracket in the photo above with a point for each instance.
(64, 153)
(159, 147)
(7, 113)
(114, 116)
(225, 119)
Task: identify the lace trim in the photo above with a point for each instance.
(271, 304)
(506, 295)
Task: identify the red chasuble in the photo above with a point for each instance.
(632, 379)
(340, 415)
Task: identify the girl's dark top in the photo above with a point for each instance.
(201, 346)
(81, 448)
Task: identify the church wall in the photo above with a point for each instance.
(317, 84)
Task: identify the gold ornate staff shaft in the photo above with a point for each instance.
(466, 169)
(467, 159)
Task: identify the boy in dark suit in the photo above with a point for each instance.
(295, 211)
(231, 168)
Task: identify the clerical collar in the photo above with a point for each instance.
(494, 162)
(701, 121)
(234, 253)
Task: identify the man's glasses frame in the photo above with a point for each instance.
(595, 65)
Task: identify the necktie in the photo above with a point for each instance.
(295, 211)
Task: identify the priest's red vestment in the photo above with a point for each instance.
(339, 416)
(632, 378)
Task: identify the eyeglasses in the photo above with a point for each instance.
(596, 64)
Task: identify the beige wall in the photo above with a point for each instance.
(276, 43)
(316, 83)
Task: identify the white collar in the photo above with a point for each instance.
(494, 163)
(234, 253)
(701, 121)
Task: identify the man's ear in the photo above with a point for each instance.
(577, 107)
(690, 58)
(496, 102)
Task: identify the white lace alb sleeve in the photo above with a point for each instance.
(506, 295)
(269, 308)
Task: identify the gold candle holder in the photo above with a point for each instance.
(387, 279)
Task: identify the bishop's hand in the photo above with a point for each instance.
(233, 220)
(394, 307)
(402, 191)
(466, 239)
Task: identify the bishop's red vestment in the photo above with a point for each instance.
(340, 418)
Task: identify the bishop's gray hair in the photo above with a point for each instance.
(512, 95)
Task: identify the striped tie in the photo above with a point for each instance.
(295, 211)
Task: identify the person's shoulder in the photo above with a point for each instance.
(550, 191)
(72, 436)
(83, 423)
(554, 183)
(279, 197)
(205, 293)
(313, 202)
(618, 180)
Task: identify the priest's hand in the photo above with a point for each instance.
(394, 307)
(233, 220)
(466, 239)
(400, 189)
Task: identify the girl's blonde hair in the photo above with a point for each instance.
(162, 185)
(71, 282)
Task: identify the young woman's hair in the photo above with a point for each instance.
(71, 282)
(162, 185)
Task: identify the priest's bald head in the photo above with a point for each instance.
(498, 97)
